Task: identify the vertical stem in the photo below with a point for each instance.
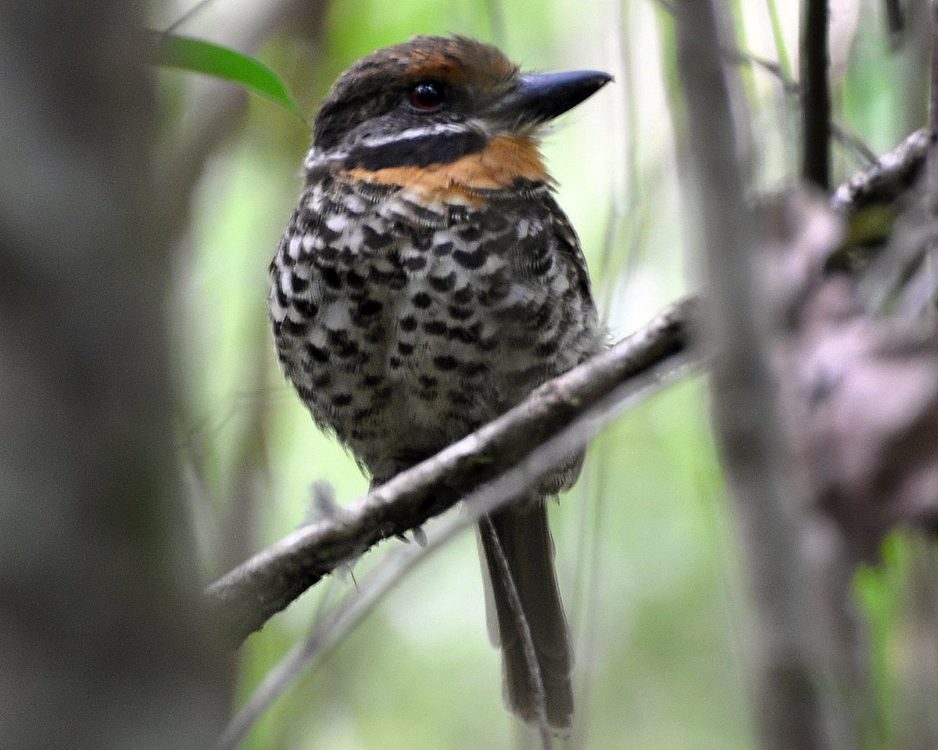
(933, 83)
(781, 51)
(932, 156)
(747, 419)
(895, 20)
(103, 646)
(815, 102)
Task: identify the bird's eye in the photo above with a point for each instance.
(427, 95)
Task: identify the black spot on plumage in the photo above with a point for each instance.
(445, 363)
(442, 249)
(298, 283)
(415, 263)
(317, 354)
(543, 315)
(443, 283)
(373, 239)
(281, 295)
(405, 348)
(460, 313)
(542, 265)
(427, 381)
(341, 399)
(462, 296)
(347, 349)
(328, 254)
(421, 300)
(472, 260)
(369, 307)
(354, 280)
(422, 240)
(435, 327)
(325, 231)
(331, 277)
(547, 348)
(306, 307)
(470, 232)
(294, 328)
(496, 292)
(408, 323)
(464, 335)
(370, 381)
(323, 380)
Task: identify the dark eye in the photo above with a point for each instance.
(427, 95)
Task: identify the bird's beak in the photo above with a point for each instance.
(543, 96)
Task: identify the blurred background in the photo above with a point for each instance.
(646, 544)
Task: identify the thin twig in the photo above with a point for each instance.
(895, 21)
(193, 11)
(890, 177)
(849, 140)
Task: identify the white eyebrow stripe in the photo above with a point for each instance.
(415, 134)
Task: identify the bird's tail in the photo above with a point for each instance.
(517, 540)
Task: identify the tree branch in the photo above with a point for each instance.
(248, 596)
(888, 179)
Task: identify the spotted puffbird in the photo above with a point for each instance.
(428, 281)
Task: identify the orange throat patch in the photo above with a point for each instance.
(498, 166)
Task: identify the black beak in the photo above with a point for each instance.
(541, 97)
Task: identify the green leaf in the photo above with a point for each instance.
(199, 56)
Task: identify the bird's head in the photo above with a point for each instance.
(435, 100)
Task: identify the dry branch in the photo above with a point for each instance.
(248, 596)
(379, 581)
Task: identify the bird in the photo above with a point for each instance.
(427, 282)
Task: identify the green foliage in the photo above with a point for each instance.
(199, 56)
